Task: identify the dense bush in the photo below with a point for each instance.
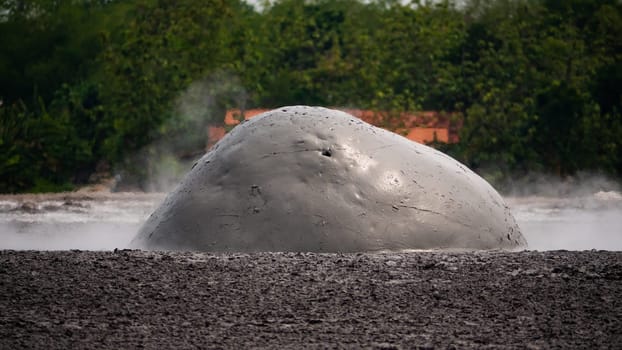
(86, 83)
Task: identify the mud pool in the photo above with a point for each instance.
(109, 221)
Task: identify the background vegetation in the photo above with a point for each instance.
(90, 86)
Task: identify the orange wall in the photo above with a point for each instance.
(427, 135)
(233, 116)
(433, 128)
(214, 134)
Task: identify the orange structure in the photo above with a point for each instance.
(423, 127)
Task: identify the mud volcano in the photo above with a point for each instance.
(319, 180)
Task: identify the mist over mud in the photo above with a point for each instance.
(580, 213)
(160, 165)
(589, 221)
(589, 218)
(97, 221)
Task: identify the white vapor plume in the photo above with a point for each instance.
(166, 161)
(580, 213)
(72, 221)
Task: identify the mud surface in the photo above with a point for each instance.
(129, 299)
(311, 179)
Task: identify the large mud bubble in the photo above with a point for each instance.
(313, 179)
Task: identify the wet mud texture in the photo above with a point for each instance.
(311, 179)
(130, 299)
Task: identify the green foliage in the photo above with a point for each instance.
(38, 150)
(91, 82)
(530, 66)
(299, 52)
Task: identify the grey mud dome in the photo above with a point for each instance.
(319, 180)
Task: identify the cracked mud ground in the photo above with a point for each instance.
(130, 299)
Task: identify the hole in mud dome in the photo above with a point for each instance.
(327, 153)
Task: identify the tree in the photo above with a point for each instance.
(165, 47)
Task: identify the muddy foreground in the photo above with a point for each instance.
(129, 299)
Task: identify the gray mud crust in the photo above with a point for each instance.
(311, 179)
(136, 299)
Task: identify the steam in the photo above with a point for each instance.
(578, 213)
(216, 93)
(92, 222)
(580, 185)
(160, 166)
(65, 236)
